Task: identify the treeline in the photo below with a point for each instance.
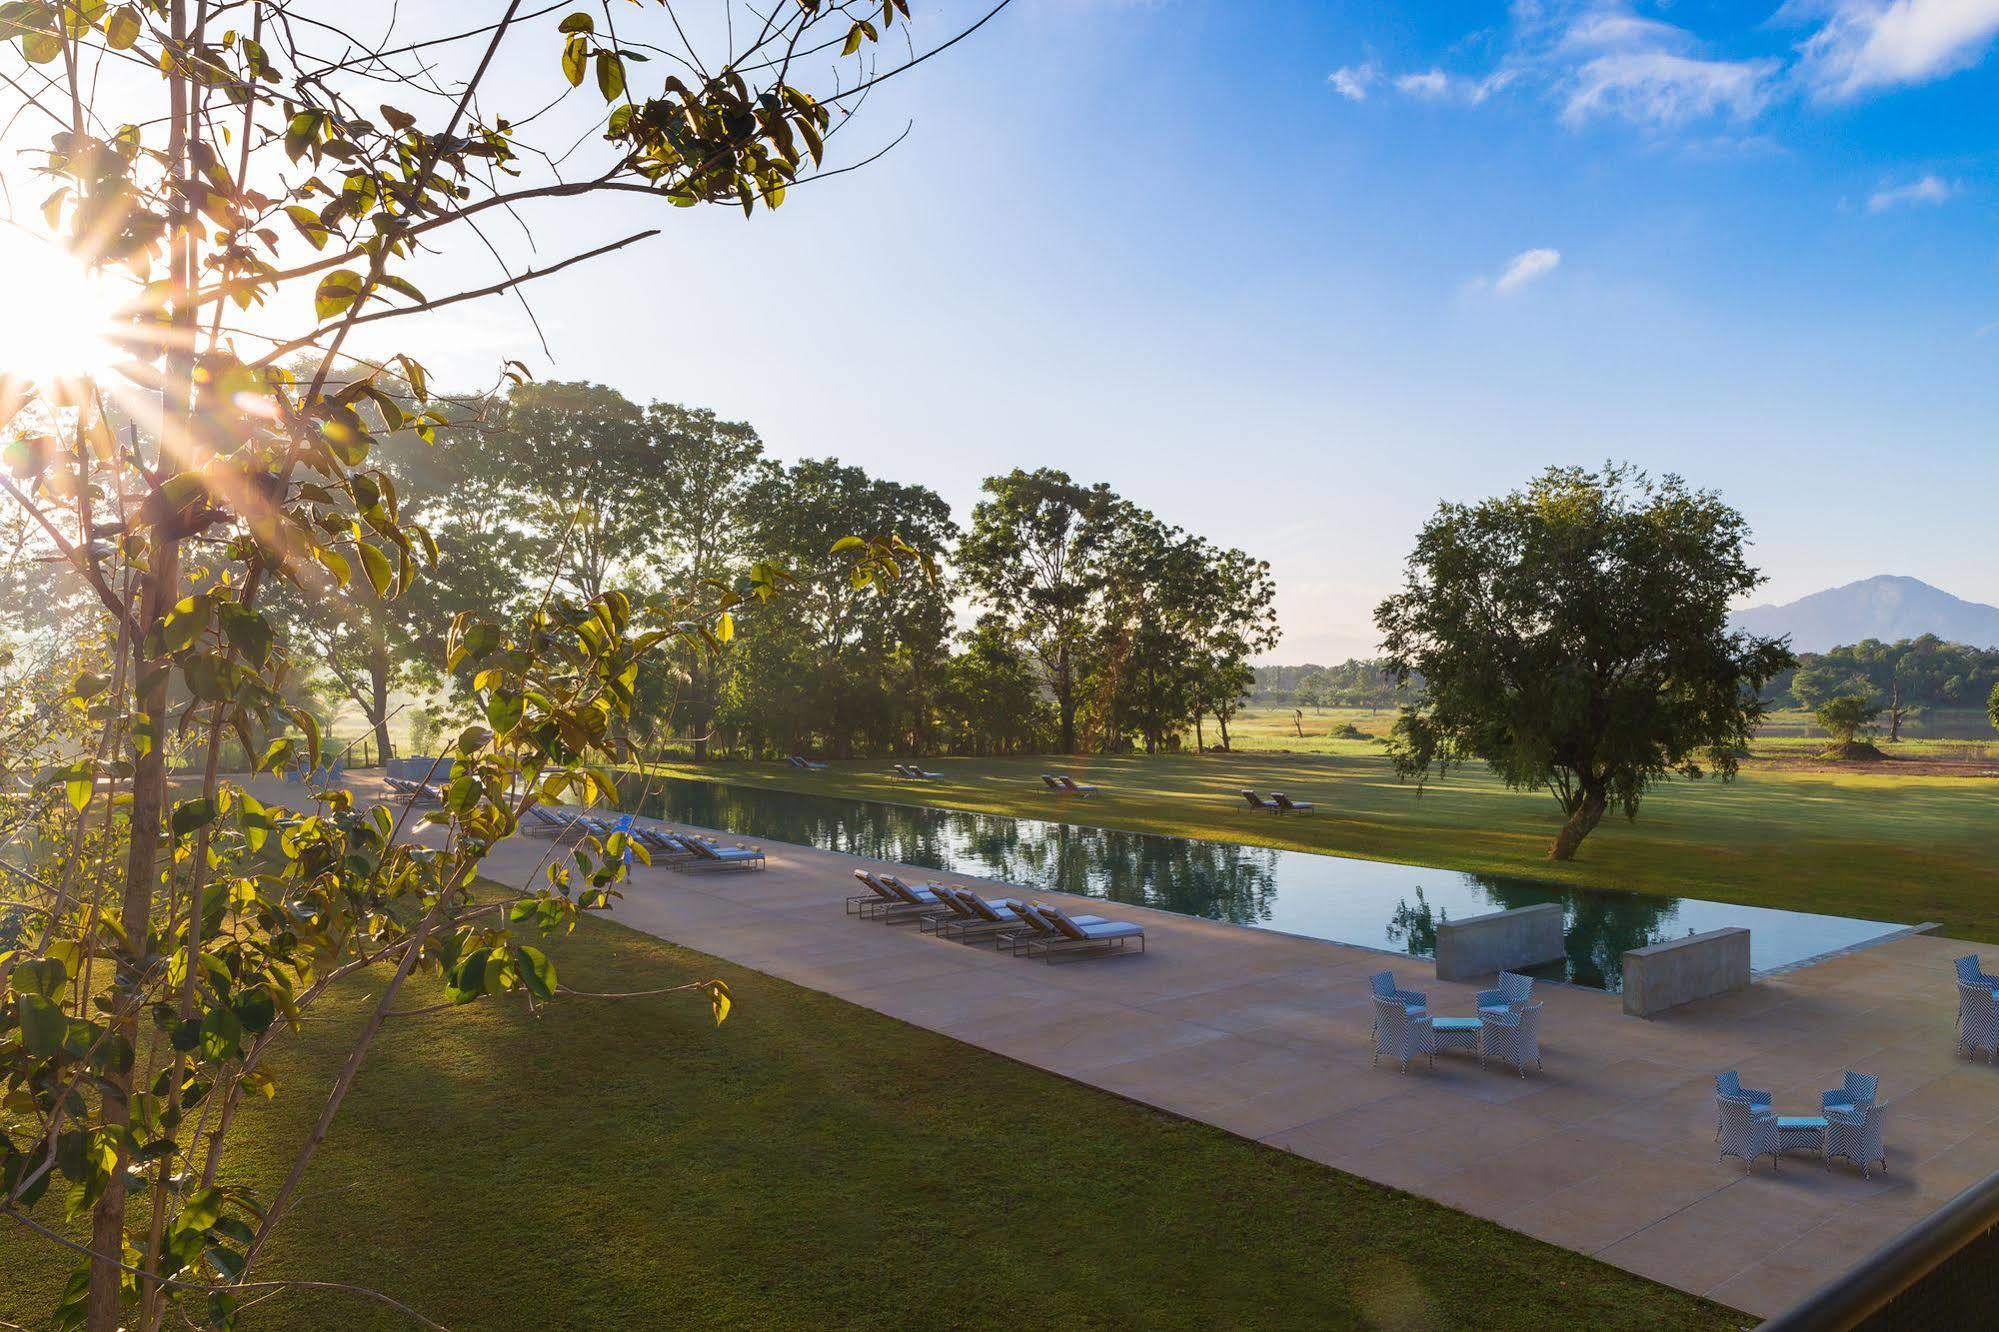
(1355, 683)
(1096, 626)
(1924, 672)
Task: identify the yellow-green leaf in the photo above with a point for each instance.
(575, 55)
(121, 28)
(610, 75)
(337, 291)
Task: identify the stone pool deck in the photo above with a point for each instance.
(1610, 1151)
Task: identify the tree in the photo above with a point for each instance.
(1033, 559)
(238, 166)
(990, 701)
(1574, 636)
(1992, 707)
(1236, 620)
(1843, 718)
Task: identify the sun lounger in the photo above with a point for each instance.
(1048, 780)
(541, 821)
(730, 857)
(1073, 938)
(1286, 805)
(980, 919)
(878, 896)
(912, 771)
(412, 790)
(804, 764)
(1258, 802)
(1074, 787)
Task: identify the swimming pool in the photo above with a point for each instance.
(1367, 902)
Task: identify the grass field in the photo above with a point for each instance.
(1900, 848)
(628, 1165)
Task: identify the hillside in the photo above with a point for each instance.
(1887, 607)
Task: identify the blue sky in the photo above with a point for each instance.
(1289, 274)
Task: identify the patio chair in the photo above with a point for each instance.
(1401, 1034)
(1856, 1135)
(1856, 1091)
(1977, 1022)
(883, 902)
(1730, 1084)
(924, 773)
(1514, 1037)
(1969, 972)
(1286, 805)
(1515, 991)
(1258, 802)
(1747, 1131)
(1073, 938)
(1415, 1001)
(1048, 780)
(1074, 787)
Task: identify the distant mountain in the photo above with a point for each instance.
(1887, 608)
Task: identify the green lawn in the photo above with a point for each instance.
(1896, 848)
(811, 1164)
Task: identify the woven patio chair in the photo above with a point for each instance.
(1977, 1021)
(1514, 1036)
(1384, 988)
(1747, 1131)
(1515, 991)
(1401, 1034)
(1730, 1084)
(1855, 1135)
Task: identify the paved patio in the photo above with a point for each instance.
(1610, 1151)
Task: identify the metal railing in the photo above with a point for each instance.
(1941, 1272)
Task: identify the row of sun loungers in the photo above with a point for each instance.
(963, 915)
(666, 849)
(910, 770)
(1064, 784)
(1279, 803)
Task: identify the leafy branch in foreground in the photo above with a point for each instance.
(239, 168)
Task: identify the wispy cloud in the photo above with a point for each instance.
(1353, 81)
(1664, 90)
(1526, 267)
(1922, 190)
(1435, 85)
(1871, 44)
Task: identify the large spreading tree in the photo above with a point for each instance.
(1574, 635)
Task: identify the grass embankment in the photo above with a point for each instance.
(1899, 848)
(812, 1164)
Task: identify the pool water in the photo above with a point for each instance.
(1367, 902)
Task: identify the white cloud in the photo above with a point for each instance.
(1434, 85)
(1525, 267)
(1665, 89)
(1923, 190)
(1353, 81)
(1868, 44)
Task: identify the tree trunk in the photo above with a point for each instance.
(1222, 721)
(1065, 701)
(149, 794)
(378, 692)
(1582, 821)
(1200, 737)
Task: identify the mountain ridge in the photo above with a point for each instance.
(1887, 606)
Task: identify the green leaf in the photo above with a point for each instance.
(208, 676)
(185, 622)
(381, 574)
(610, 75)
(221, 1034)
(537, 971)
(577, 22)
(248, 632)
(853, 42)
(121, 29)
(847, 543)
(192, 814)
(43, 1025)
(302, 133)
(337, 291)
(575, 55)
(45, 976)
(316, 232)
(503, 711)
(202, 1209)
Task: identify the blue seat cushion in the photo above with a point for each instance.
(1839, 1106)
(1800, 1122)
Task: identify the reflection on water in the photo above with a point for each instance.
(1379, 905)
